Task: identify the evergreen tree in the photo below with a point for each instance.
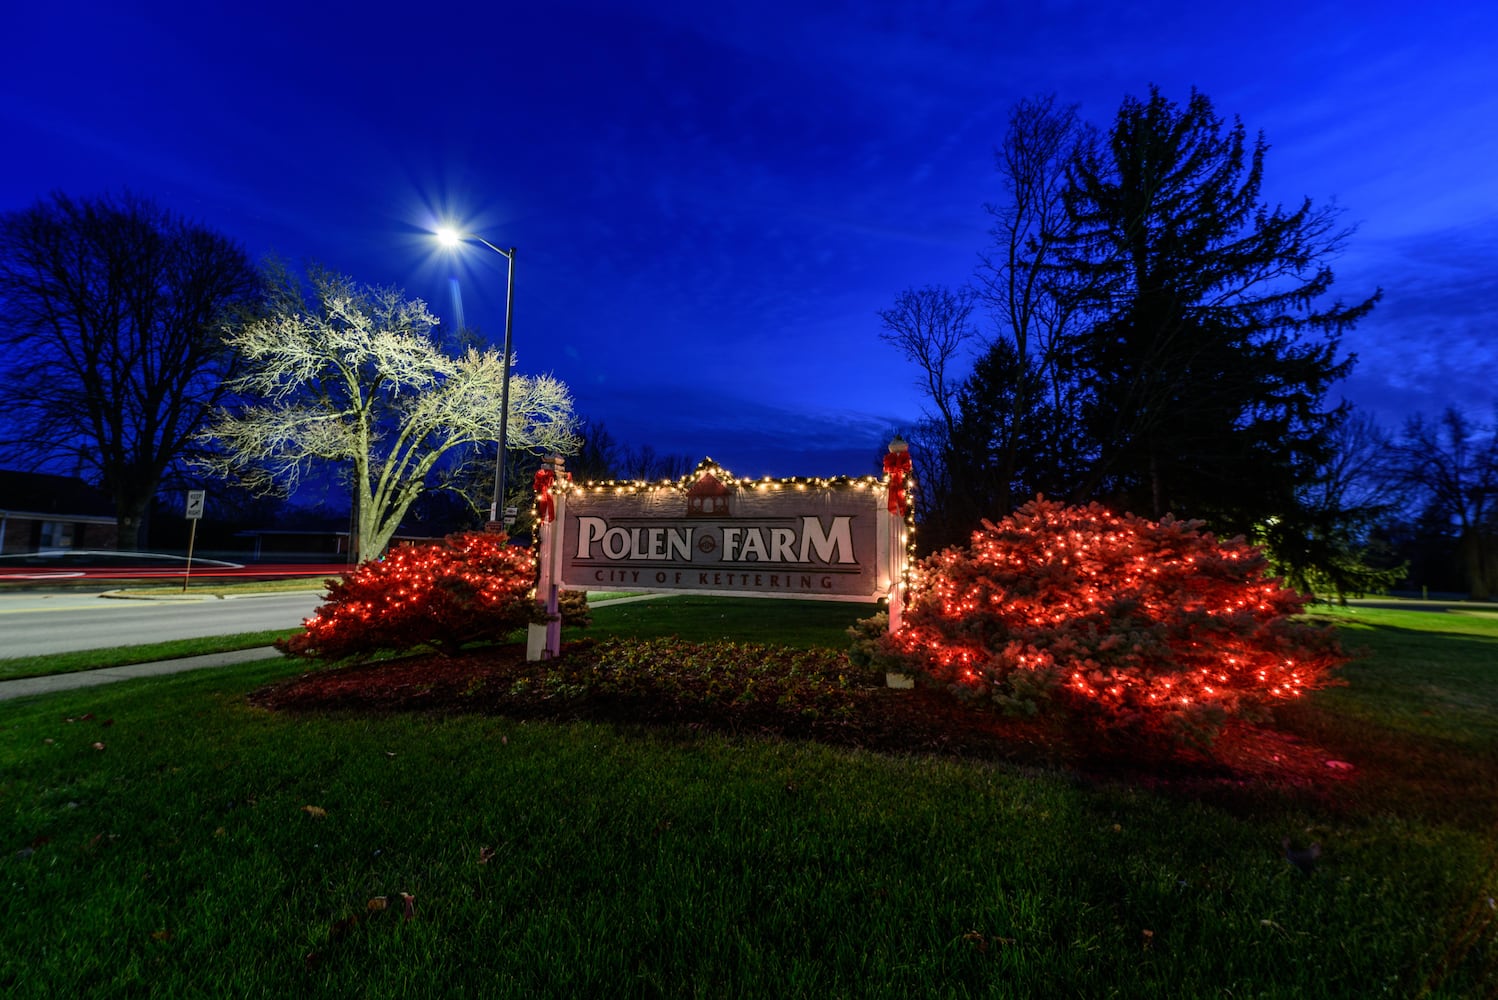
(1336, 550)
(1209, 350)
(1000, 437)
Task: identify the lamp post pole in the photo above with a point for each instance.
(497, 510)
(451, 238)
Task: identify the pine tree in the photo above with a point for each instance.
(1210, 349)
(1002, 436)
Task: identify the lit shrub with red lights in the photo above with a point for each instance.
(1133, 624)
(468, 588)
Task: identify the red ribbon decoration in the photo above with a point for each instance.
(546, 504)
(897, 467)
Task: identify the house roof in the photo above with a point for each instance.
(47, 495)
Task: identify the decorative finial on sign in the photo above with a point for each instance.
(898, 445)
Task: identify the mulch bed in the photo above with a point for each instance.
(926, 721)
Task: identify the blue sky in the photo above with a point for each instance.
(710, 203)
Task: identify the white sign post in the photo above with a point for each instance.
(194, 514)
(545, 641)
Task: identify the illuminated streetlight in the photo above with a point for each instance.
(452, 238)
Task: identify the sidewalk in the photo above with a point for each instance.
(24, 686)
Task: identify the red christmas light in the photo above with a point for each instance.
(470, 587)
(1142, 622)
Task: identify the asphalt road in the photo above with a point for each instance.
(33, 624)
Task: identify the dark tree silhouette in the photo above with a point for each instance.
(932, 327)
(110, 317)
(598, 455)
(1009, 429)
(1163, 340)
(1035, 306)
(1336, 551)
(1450, 468)
(1211, 344)
(1004, 449)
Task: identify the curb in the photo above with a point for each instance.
(127, 595)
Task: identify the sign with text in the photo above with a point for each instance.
(760, 538)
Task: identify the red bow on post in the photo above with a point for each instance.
(897, 467)
(546, 504)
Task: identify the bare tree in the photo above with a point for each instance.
(645, 464)
(934, 497)
(1451, 466)
(1036, 305)
(598, 455)
(932, 326)
(990, 433)
(1032, 302)
(1356, 475)
(110, 318)
(361, 381)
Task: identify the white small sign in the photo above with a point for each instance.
(195, 504)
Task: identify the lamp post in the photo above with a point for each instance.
(452, 238)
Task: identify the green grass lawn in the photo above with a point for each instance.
(164, 838)
(803, 624)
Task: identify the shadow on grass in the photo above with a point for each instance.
(1398, 772)
(1418, 719)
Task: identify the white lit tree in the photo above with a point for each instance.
(360, 380)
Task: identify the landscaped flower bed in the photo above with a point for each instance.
(757, 690)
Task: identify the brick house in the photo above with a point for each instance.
(42, 511)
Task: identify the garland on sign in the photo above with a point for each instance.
(897, 467)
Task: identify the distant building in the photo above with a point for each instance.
(41, 511)
(310, 544)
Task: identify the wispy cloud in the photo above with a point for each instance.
(1433, 341)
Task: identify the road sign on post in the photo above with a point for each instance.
(194, 514)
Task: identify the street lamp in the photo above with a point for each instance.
(452, 238)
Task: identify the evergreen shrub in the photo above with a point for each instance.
(470, 587)
(1132, 625)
